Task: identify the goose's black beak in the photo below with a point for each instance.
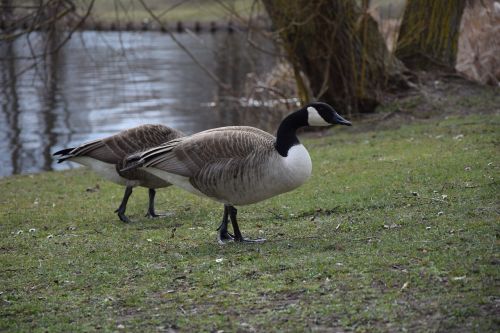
(337, 119)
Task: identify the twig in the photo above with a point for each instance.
(435, 199)
(52, 20)
(431, 199)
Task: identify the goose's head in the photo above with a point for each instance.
(322, 114)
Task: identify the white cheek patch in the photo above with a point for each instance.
(314, 119)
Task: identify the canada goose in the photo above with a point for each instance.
(107, 156)
(238, 165)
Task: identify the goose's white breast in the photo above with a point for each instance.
(297, 165)
(282, 174)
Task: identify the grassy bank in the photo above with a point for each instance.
(397, 229)
(171, 11)
(199, 10)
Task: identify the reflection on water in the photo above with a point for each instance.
(102, 82)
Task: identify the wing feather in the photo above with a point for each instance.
(210, 150)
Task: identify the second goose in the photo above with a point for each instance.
(238, 165)
(107, 156)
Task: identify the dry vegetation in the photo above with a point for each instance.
(479, 44)
(478, 56)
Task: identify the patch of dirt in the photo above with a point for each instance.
(433, 96)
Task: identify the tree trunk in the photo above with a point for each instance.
(338, 48)
(428, 37)
(6, 14)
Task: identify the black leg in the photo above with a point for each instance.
(223, 235)
(123, 205)
(237, 233)
(151, 208)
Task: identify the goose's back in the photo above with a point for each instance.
(187, 156)
(135, 140)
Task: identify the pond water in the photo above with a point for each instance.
(102, 82)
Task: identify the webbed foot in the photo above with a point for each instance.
(224, 237)
(153, 215)
(122, 216)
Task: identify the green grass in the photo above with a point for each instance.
(396, 230)
(172, 11)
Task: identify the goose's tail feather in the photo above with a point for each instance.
(150, 156)
(132, 162)
(64, 154)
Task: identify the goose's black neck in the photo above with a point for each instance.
(286, 136)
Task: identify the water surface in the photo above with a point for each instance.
(102, 82)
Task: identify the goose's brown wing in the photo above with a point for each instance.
(116, 148)
(202, 155)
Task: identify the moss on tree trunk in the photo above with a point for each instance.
(339, 48)
(428, 36)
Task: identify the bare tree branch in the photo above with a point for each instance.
(186, 50)
(52, 20)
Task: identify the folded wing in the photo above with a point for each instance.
(208, 150)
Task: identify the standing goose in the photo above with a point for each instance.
(107, 156)
(238, 165)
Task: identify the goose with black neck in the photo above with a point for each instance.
(238, 165)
